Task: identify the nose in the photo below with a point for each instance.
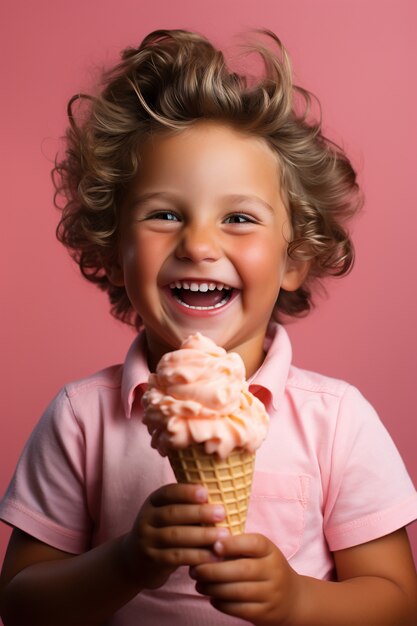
(197, 244)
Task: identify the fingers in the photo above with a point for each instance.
(194, 536)
(246, 545)
(180, 504)
(174, 557)
(246, 599)
(173, 546)
(240, 557)
(176, 526)
(179, 494)
(185, 514)
(252, 579)
(245, 570)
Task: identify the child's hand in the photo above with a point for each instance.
(167, 533)
(254, 581)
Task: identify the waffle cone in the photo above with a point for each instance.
(228, 481)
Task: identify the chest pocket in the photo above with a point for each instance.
(277, 509)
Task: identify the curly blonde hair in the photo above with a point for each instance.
(172, 80)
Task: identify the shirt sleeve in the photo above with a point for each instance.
(46, 497)
(370, 493)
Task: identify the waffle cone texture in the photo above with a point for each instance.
(228, 481)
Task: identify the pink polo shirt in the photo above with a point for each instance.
(327, 477)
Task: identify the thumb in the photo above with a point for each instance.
(245, 545)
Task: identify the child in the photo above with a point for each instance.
(201, 200)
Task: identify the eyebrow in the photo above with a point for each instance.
(237, 197)
(148, 196)
(166, 195)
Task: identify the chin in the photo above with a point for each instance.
(218, 335)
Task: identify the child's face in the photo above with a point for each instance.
(206, 210)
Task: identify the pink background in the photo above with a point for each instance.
(358, 56)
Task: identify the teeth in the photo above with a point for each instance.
(199, 286)
(205, 308)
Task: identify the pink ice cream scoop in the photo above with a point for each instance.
(199, 395)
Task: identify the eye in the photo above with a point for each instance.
(239, 218)
(167, 216)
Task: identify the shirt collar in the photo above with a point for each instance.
(271, 376)
(135, 373)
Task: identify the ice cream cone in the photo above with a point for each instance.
(198, 400)
(228, 481)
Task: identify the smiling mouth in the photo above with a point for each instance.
(201, 296)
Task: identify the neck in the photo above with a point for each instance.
(251, 351)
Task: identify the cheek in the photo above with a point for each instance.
(131, 263)
(141, 256)
(140, 275)
(261, 259)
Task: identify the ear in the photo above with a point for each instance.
(115, 273)
(295, 274)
